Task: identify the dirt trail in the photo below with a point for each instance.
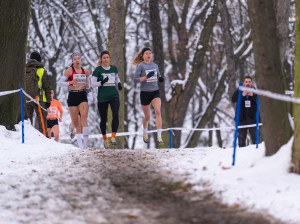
(163, 199)
(112, 187)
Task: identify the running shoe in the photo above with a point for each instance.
(113, 141)
(105, 142)
(160, 141)
(145, 138)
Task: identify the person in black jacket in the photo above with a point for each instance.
(247, 112)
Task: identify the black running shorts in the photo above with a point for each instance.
(51, 122)
(77, 97)
(147, 97)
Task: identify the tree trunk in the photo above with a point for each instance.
(276, 127)
(14, 21)
(282, 10)
(296, 144)
(228, 47)
(115, 45)
(157, 46)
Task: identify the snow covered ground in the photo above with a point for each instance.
(256, 182)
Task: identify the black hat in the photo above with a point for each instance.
(145, 49)
(35, 55)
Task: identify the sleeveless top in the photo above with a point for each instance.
(80, 76)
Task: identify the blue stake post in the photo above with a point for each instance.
(237, 120)
(22, 113)
(170, 137)
(257, 121)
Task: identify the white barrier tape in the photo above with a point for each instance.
(214, 129)
(9, 92)
(17, 90)
(33, 100)
(30, 101)
(168, 129)
(272, 95)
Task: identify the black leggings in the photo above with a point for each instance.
(103, 109)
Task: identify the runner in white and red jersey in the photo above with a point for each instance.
(76, 79)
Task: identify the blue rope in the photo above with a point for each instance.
(22, 113)
(170, 137)
(257, 121)
(237, 120)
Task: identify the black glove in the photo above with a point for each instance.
(119, 86)
(150, 74)
(47, 105)
(160, 79)
(104, 81)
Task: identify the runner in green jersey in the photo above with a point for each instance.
(105, 77)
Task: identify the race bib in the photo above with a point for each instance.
(111, 79)
(152, 78)
(81, 79)
(247, 103)
(52, 111)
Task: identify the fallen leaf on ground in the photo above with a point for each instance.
(225, 168)
(130, 216)
(141, 154)
(235, 205)
(101, 151)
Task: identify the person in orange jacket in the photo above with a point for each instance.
(52, 117)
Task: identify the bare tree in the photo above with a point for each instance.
(182, 92)
(159, 58)
(115, 45)
(276, 127)
(14, 20)
(228, 46)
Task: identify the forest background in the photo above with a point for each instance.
(203, 49)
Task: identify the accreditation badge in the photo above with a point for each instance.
(247, 103)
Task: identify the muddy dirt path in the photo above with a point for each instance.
(111, 187)
(163, 198)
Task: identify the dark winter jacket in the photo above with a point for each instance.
(31, 80)
(247, 113)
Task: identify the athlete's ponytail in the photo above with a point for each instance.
(138, 58)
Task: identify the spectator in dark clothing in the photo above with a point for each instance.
(247, 113)
(37, 84)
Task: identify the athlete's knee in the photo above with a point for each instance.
(83, 117)
(147, 117)
(116, 116)
(157, 113)
(103, 122)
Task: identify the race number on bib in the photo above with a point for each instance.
(81, 79)
(111, 79)
(52, 111)
(152, 78)
(247, 103)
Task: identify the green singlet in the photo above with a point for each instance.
(108, 91)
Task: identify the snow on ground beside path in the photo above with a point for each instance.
(30, 178)
(257, 182)
(260, 183)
